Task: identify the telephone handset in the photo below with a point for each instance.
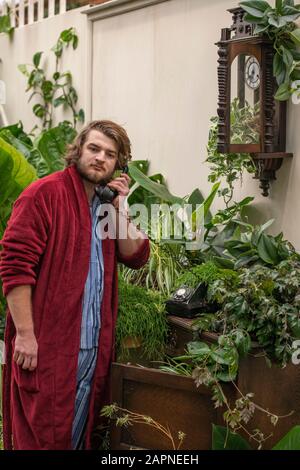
(107, 194)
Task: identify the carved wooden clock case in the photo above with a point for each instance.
(246, 82)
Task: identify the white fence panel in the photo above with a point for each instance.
(23, 12)
(31, 4)
(13, 13)
(62, 6)
(40, 10)
(51, 8)
(3, 9)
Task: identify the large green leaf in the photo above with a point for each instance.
(15, 175)
(139, 195)
(203, 209)
(278, 5)
(278, 64)
(5, 24)
(195, 198)
(198, 348)
(68, 131)
(142, 165)
(283, 92)
(159, 190)
(291, 441)
(296, 36)
(209, 200)
(255, 8)
(15, 172)
(223, 439)
(267, 249)
(223, 236)
(17, 131)
(287, 56)
(257, 234)
(52, 146)
(37, 58)
(32, 155)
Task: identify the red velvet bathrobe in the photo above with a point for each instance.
(47, 245)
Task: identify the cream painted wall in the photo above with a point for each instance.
(41, 37)
(155, 71)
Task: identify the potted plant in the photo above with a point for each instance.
(141, 325)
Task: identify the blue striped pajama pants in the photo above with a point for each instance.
(86, 367)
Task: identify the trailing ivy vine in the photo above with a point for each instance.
(230, 166)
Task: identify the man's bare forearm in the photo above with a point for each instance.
(26, 347)
(134, 237)
(20, 307)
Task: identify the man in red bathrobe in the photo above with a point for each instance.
(44, 266)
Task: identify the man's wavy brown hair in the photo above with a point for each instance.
(110, 129)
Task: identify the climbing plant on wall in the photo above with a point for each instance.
(57, 90)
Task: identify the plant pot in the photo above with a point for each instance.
(131, 342)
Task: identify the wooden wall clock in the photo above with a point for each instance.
(250, 119)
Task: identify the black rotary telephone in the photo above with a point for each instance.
(107, 194)
(189, 301)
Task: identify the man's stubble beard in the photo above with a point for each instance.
(90, 178)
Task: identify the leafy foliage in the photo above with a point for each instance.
(210, 362)
(230, 166)
(265, 303)
(15, 175)
(45, 154)
(164, 263)
(244, 122)
(254, 246)
(168, 257)
(205, 273)
(56, 91)
(161, 271)
(278, 24)
(232, 243)
(157, 188)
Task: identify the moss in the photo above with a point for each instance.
(207, 273)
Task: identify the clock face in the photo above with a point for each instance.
(252, 73)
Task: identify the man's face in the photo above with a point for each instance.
(98, 159)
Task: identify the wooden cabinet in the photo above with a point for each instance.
(171, 400)
(175, 401)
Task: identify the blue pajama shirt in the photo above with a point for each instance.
(90, 329)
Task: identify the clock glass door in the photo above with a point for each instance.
(245, 100)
